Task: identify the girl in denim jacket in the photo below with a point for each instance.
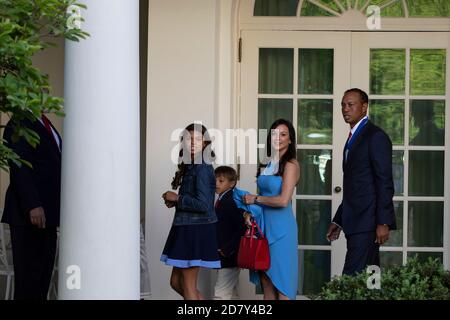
(192, 241)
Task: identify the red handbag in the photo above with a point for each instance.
(253, 251)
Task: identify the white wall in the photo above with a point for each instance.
(51, 61)
(184, 86)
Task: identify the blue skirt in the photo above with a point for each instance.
(192, 246)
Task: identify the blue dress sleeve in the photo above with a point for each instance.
(255, 210)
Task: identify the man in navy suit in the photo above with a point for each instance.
(32, 206)
(366, 214)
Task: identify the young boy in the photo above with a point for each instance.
(230, 228)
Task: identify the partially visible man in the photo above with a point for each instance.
(366, 214)
(32, 206)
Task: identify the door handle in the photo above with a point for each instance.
(337, 189)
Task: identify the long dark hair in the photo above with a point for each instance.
(291, 152)
(182, 166)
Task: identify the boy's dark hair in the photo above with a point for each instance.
(227, 172)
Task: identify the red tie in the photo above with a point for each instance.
(48, 127)
(217, 204)
(349, 136)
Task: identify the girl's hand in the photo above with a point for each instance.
(170, 196)
(169, 204)
(249, 199)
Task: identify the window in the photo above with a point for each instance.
(335, 8)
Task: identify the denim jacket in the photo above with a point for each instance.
(196, 196)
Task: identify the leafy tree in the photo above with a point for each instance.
(27, 27)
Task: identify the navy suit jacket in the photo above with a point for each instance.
(368, 183)
(39, 186)
(230, 228)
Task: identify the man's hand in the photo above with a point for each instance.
(333, 232)
(382, 234)
(37, 217)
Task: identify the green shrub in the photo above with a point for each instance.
(414, 281)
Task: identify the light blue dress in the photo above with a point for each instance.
(280, 227)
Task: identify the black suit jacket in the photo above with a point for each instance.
(230, 228)
(368, 183)
(34, 187)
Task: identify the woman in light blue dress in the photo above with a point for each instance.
(276, 186)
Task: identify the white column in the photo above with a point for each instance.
(100, 178)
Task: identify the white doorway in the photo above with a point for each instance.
(301, 76)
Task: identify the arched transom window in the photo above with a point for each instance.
(335, 8)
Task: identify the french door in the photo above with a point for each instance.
(301, 76)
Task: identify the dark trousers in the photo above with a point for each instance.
(33, 258)
(362, 251)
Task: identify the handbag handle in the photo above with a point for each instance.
(251, 232)
(259, 230)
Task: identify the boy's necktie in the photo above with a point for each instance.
(217, 203)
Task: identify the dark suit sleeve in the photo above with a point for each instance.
(234, 239)
(380, 152)
(21, 178)
(200, 201)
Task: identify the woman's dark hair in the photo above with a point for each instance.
(182, 165)
(291, 152)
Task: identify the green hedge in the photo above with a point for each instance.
(414, 281)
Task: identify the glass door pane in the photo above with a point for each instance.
(387, 71)
(428, 71)
(276, 67)
(315, 121)
(427, 123)
(315, 74)
(315, 127)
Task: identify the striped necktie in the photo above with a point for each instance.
(349, 136)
